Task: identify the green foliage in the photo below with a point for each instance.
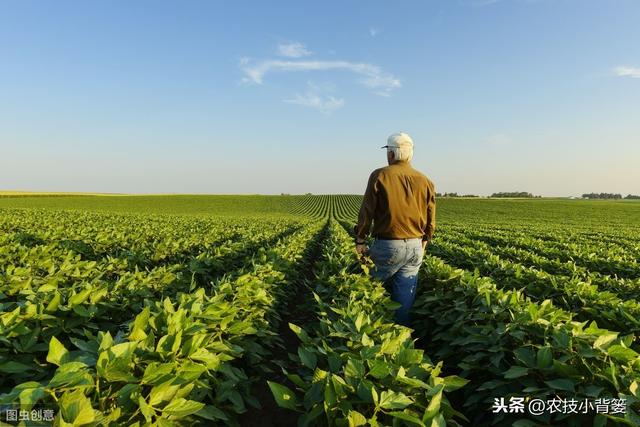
(355, 365)
(194, 328)
(165, 319)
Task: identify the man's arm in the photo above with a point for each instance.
(431, 216)
(365, 217)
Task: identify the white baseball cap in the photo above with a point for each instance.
(399, 140)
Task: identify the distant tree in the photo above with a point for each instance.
(438, 194)
(602, 196)
(470, 195)
(513, 194)
(632, 196)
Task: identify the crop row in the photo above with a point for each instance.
(510, 346)
(573, 294)
(342, 207)
(192, 355)
(595, 256)
(57, 292)
(355, 366)
(624, 288)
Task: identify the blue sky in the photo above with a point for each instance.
(296, 97)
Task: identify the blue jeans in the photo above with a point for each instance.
(397, 263)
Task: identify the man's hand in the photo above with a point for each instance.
(362, 249)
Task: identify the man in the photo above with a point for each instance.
(400, 202)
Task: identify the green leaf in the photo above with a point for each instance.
(634, 389)
(359, 321)
(409, 357)
(12, 367)
(392, 346)
(285, 398)
(212, 413)
(182, 407)
(604, 341)
(30, 396)
(516, 372)
(8, 318)
(175, 347)
(335, 363)
(126, 395)
(356, 419)
(354, 369)
(54, 303)
(319, 375)
(330, 397)
(80, 297)
(297, 380)
(74, 376)
(374, 395)
(123, 350)
(210, 360)
(406, 417)
(438, 421)
(146, 410)
(189, 372)
(57, 352)
(163, 393)
(561, 384)
(544, 358)
(308, 358)
(526, 356)
(156, 373)
(621, 353)
(394, 400)
(454, 382)
(301, 333)
(379, 369)
(433, 408)
(76, 408)
(491, 384)
(366, 341)
(105, 342)
(364, 391)
(593, 390)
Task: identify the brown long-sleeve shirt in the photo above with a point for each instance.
(401, 203)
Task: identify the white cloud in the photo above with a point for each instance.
(325, 105)
(628, 72)
(371, 76)
(293, 50)
(373, 32)
(314, 98)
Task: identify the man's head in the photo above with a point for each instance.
(399, 147)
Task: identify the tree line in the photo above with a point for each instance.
(502, 194)
(608, 196)
(524, 194)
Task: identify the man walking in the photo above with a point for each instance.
(400, 202)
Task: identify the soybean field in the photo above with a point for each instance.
(255, 310)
